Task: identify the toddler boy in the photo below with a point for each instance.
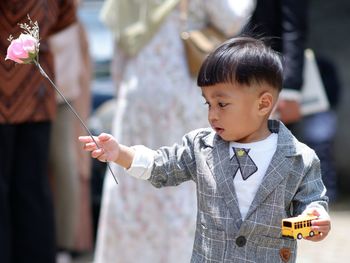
(250, 172)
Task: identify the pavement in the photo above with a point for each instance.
(334, 249)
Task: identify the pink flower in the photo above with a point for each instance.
(23, 49)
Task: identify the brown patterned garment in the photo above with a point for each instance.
(25, 95)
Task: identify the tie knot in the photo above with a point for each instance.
(240, 152)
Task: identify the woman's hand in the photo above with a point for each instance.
(289, 111)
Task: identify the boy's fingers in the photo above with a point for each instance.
(320, 222)
(313, 212)
(323, 229)
(315, 238)
(316, 213)
(323, 224)
(85, 139)
(104, 137)
(97, 153)
(100, 155)
(90, 146)
(102, 158)
(320, 236)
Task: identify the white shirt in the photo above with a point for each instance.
(261, 153)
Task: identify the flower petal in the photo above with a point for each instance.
(29, 43)
(15, 51)
(22, 48)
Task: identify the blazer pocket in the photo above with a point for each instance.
(210, 243)
(276, 250)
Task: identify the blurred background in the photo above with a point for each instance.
(328, 36)
(329, 21)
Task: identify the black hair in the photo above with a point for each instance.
(243, 60)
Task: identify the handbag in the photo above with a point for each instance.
(198, 44)
(313, 93)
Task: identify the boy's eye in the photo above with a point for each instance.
(222, 105)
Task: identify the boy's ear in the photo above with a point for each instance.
(266, 102)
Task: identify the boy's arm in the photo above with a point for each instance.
(167, 166)
(137, 160)
(311, 190)
(176, 164)
(126, 156)
(311, 198)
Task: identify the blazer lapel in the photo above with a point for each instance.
(271, 180)
(222, 168)
(280, 162)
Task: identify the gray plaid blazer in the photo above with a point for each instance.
(292, 182)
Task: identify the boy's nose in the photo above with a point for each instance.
(212, 115)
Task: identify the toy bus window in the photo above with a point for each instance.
(287, 224)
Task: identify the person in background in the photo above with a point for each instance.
(72, 70)
(63, 156)
(155, 94)
(318, 130)
(284, 23)
(27, 108)
(84, 229)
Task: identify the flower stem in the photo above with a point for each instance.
(42, 71)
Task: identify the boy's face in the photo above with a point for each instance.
(238, 113)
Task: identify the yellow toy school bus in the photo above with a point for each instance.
(298, 227)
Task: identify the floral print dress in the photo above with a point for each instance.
(158, 102)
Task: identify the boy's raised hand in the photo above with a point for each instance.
(108, 149)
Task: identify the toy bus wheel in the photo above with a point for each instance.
(299, 236)
(312, 233)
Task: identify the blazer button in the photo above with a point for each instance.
(241, 241)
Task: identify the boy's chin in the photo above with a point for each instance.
(223, 137)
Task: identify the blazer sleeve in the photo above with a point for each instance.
(174, 165)
(294, 19)
(311, 190)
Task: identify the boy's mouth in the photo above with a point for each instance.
(218, 130)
